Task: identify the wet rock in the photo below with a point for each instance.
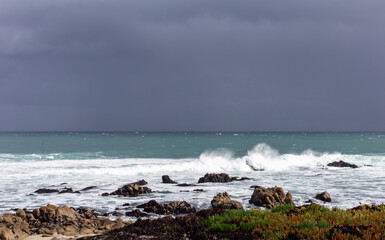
(342, 164)
(105, 194)
(68, 190)
(167, 209)
(126, 205)
(130, 190)
(140, 183)
(185, 185)
(136, 213)
(88, 188)
(167, 179)
(213, 177)
(270, 197)
(255, 186)
(198, 190)
(223, 201)
(325, 196)
(46, 190)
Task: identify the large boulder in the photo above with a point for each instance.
(213, 177)
(270, 197)
(223, 201)
(174, 208)
(342, 164)
(130, 190)
(167, 179)
(325, 196)
(52, 219)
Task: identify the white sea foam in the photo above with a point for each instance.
(304, 174)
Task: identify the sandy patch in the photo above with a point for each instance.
(55, 237)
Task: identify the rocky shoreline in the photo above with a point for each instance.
(50, 220)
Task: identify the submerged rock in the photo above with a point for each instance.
(185, 185)
(270, 197)
(167, 179)
(342, 164)
(46, 190)
(136, 213)
(223, 201)
(88, 188)
(325, 196)
(167, 209)
(68, 190)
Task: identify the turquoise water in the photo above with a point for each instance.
(295, 161)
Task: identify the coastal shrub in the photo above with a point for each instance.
(283, 208)
(307, 222)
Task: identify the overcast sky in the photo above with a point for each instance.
(177, 65)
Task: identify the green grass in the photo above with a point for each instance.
(311, 222)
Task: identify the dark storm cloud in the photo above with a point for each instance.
(192, 65)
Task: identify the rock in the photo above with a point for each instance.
(140, 183)
(51, 219)
(185, 185)
(167, 179)
(68, 190)
(270, 197)
(126, 205)
(223, 201)
(198, 190)
(325, 196)
(46, 190)
(88, 188)
(136, 213)
(105, 194)
(212, 177)
(342, 164)
(130, 190)
(255, 186)
(167, 209)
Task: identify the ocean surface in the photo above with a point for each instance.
(295, 161)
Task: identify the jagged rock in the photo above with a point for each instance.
(223, 201)
(167, 209)
(51, 219)
(136, 213)
(270, 197)
(46, 190)
(130, 190)
(341, 164)
(240, 179)
(88, 188)
(325, 196)
(213, 177)
(167, 179)
(198, 190)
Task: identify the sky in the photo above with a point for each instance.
(199, 65)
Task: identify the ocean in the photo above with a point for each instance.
(294, 161)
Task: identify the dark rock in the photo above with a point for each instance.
(136, 213)
(140, 183)
(167, 179)
(68, 190)
(131, 190)
(325, 196)
(64, 183)
(368, 165)
(184, 191)
(105, 194)
(167, 209)
(309, 201)
(126, 204)
(255, 186)
(185, 185)
(198, 190)
(223, 201)
(342, 164)
(88, 188)
(212, 177)
(46, 190)
(270, 197)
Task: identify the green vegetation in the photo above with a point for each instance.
(310, 222)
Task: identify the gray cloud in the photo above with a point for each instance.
(192, 65)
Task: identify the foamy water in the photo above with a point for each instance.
(303, 174)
